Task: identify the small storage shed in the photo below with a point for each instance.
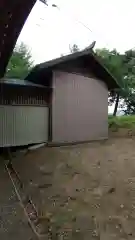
(78, 110)
(23, 113)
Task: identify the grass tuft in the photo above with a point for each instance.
(121, 122)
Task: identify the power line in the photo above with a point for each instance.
(53, 5)
(80, 22)
(44, 1)
(77, 20)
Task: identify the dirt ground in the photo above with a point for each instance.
(13, 223)
(84, 191)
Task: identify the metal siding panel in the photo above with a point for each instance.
(22, 125)
(80, 108)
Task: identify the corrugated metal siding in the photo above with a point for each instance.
(23, 96)
(22, 125)
(21, 100)
(79, 109)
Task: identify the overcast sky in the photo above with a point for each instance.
(48, 31)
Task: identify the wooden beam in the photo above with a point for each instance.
(13, 15)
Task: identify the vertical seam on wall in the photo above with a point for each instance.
(50, 111)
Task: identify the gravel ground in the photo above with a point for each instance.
(86, 191)
(13, 223)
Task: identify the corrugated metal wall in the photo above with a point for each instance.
(22, 125)
(23, 95)
(79, 108)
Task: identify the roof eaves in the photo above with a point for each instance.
(72, 56)
(48, 66)
(105, 68)
(20, 82)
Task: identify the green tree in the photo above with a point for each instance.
(118, 66)
(20, 62)
(74, 48)
(129, 99)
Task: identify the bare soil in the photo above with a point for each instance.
(85, 191)
(13, 223)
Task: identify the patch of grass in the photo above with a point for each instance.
(121, 122)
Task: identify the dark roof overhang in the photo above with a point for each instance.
(87, 58)
(13, 14)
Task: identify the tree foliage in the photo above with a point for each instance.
(74, 48)
(20, 62)
(122, 67)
